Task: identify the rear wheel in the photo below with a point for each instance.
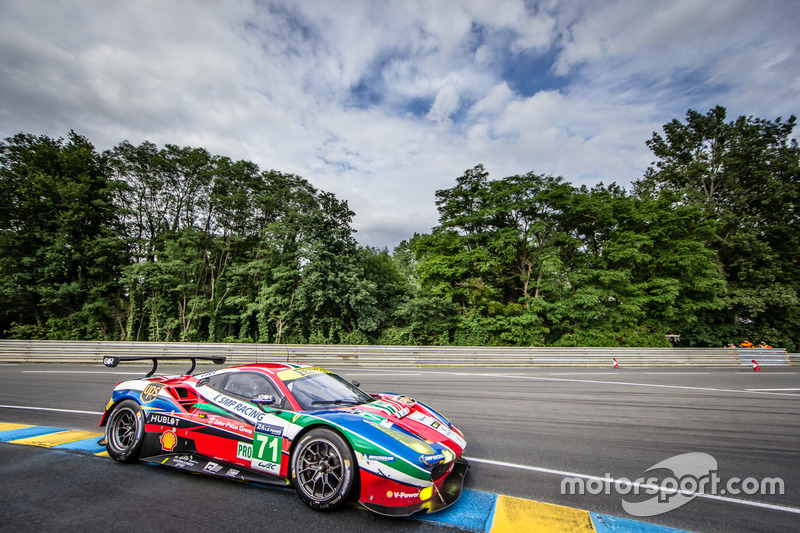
(125, 432)
(323, 469)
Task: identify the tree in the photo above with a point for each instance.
(60, 246)
(495, 253)
(745, 175)
(638, 269)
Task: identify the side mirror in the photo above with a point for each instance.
(264, 399)
(356, 383)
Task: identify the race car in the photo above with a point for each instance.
(281, 423)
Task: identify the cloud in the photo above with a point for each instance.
(383, 103)
(445, 104)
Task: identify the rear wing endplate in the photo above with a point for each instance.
(113, 360)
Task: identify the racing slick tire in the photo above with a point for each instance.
(323, 469)
(125, 432)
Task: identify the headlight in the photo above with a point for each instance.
(415, 444)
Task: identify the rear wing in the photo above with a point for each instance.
(113, 360)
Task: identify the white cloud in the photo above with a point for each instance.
(445, 104)
(383, 103)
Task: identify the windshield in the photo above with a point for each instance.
(319, 389)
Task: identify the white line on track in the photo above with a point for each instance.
(677, 373)
(382, 370)
(25, 407)
(771, 390)
(380, 374)
(583, 373)
(769, 372)
(598, 382)
(81, 372)
(647, 487)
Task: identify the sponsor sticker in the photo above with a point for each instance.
(168, 441)
(243, 409)
(183, 461)
(231, 425)
(265, 466)
(212, 467)
(432, 459)
(151, 391)
(163, 420)
(402, 495)
(297, 373)
(275, 431)
(382, 458)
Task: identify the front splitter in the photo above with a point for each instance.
(443, 498)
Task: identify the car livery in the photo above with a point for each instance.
(282, 423)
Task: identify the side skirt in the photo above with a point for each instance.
(199, 464)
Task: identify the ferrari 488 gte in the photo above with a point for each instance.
(282, 423)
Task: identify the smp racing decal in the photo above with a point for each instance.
(245, 410)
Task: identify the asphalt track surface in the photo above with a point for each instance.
(527, 429)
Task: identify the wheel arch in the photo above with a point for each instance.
(317, 425)
(113, 402)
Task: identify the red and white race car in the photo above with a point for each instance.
(293, 424)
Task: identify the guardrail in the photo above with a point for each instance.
(14, 351)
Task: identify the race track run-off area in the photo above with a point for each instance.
(695, 449)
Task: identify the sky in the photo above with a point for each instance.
(385, 102)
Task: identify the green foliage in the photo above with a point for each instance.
(60, 245)
(745, 177)
(177, 244)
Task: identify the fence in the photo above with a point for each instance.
(13, 351)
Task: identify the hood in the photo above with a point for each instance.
(431, 436)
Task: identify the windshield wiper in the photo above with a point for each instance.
(336, 402)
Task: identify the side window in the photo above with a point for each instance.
(249, 385)
(216, 382)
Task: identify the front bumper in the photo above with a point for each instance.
(443, 497)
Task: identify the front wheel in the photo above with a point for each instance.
(323, 469)
(125, 432)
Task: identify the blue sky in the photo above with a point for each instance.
(384, 102)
